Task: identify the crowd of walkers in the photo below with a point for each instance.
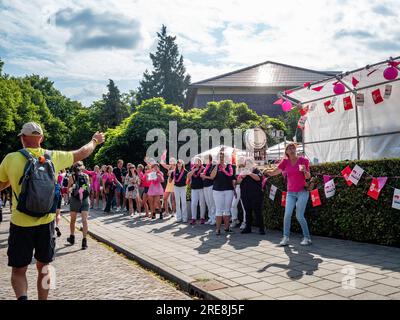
(219, 190)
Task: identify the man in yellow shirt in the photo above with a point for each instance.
(30, 234)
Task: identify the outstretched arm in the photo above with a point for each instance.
(87, 149)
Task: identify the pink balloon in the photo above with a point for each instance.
(390, 73)
(287, 106)
(339, 88)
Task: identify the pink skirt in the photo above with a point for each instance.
(155, 190)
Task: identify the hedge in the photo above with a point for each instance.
(351, 214)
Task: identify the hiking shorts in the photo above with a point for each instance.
(75, 205)
(23, 241)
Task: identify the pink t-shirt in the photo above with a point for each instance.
(296, 180)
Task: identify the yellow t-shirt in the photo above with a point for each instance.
(11, 169)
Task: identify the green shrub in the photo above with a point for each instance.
(351, 214)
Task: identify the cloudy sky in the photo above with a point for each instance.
(81, 44)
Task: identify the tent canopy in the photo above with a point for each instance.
(368, 129)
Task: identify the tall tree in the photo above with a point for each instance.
(1, 66)
(168, 79)
(111, 110)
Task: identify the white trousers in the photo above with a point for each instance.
(223, 202)
(180, 200)
(208, 195)
(198, 197)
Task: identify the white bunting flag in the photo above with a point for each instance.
(272, 192)
(330, 189)
(356, 174)
(396, 199)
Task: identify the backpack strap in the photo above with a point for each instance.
(48, 154)
(30, 159)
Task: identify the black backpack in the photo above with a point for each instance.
(65, 181)
(39, 189)
(80, 181)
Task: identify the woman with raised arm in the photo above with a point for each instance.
(169, 189)
(223, 192)
(297, 170)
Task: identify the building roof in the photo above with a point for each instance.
(266, 74)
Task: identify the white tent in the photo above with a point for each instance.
(215, 152)
(277, 152)
(369, 129)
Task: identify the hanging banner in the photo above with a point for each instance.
(376, 96)
(396, 199)
(360, 99)
(302, 122)
(315, 198)
(328, 106)
(272, 192)
(356, 174)
(347, 103)
(388, 91)
(330, 188)
(376, 186)
(283, 200)
(346, 175)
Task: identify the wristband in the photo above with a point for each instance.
(96, 141)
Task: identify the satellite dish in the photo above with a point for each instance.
(255, 138)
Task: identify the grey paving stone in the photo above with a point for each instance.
(244, 280)
(382, 289)
(369, 296)
(347, 293)
(311, 292)
(325, 284)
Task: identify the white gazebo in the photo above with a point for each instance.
(277, 152)
(353, 115)
(228, 153)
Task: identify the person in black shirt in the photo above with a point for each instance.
(250, 180)
(179, 177)
(208, 190)
(223, 191)
(197, 192)
(120, 174)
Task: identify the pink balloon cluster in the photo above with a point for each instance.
(390, 73)
(339, 88)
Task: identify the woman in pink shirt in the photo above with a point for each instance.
(110, 182)
(95, 177)
(155, 177)
(297, 170)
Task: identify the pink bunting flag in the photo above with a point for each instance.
(318, 88)
(289, 91)
(327, 178)
(279, 101)
(355, 82)
(376, 186)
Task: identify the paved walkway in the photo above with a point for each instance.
(95, 273)
(251, 266)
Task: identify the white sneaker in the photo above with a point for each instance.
(118, 210)
(208, 221)
(243, 225)
(284, 242)
(212, 223)
(306, 242)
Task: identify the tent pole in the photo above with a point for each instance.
(357, 128)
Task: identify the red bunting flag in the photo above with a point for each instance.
(279, 101)
(289, 91)
(376, 96)
(347, 103)
(355, 82)
(302, 122)
(394, 63)
(346, 175)
(315, 198)
(376, 186)
(318, 88)
(304, 110)
(328, 108)
(307, 84)
(327, 178)
(283, 200)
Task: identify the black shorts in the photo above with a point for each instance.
(146, 189)
(23, 241)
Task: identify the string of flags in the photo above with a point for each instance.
(352, 177)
